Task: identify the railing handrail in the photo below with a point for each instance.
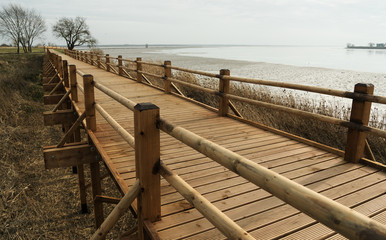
(338, 217)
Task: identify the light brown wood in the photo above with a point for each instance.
(120, 69)
(224, 85)
(147, 137)
(89, 101)
(69, 156)
(336, 216)
(107, 62)
(168, 74)
(360, 114)
(73, 83)
(308, 166)
(65, 74)
(214, 215)
(117, 212)
(139, 69)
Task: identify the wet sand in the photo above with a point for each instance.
(322, 77)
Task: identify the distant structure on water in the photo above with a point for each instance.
(370, 46)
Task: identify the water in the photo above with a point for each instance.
(329, 67)
(363, 60)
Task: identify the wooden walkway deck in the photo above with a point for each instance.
(255, 210)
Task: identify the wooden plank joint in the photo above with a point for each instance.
(69, 156)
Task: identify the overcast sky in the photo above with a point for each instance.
(255, 22)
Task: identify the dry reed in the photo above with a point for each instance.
(36, 203)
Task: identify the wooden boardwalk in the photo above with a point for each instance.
(255, 210)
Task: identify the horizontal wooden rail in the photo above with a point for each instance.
(80, 73)
(213, 75)
(323, 118)
(124, 134)
(151, 64)
(221, 221)
(150, 74)
(117, 212)
(326, 91)
(128, 60)
(338, 217)
(116, 96)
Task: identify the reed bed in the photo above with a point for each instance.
(325, 133)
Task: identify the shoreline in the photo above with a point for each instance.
(314, 76)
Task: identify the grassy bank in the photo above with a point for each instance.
(36, 203)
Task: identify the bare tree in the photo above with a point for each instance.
(12, 18)
(33, 28)
(74, 31)
(21, 26)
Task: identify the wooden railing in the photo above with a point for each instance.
(357, 126)
(147, 126)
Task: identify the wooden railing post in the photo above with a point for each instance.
(89, 101)
(168, 74)
(73, 83)
(147, 159)
(223, 88)
(107, 62)
(139, 68)
(120, 69)
(60, 66)
(360, 114)
(65, 74)
(98, 61)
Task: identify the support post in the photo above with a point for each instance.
(96, 190)
(223, 88)
(89, 100)
(60, 67)
(73, 83)
(360, 114)
(65, 74)
(120, 69)
(168, 74)
(139, 69)
(147, 136)
(98, 61)
(108, 62)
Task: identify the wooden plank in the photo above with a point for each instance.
(69, 156)
(59, 117)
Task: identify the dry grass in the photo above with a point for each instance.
(36, 203)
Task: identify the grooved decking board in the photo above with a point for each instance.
(257, 211)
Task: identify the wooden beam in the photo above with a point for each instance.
(168, 74)
(117, 212)
(223, 88)
(52, 99)
(50, 86)
(147, 136)
(106, 199)
(59, 117)
(69, 156)
(360, 114)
